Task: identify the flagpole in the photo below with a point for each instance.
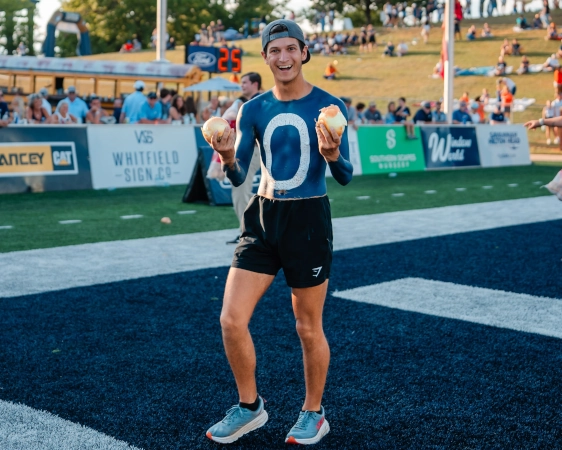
(449, 63)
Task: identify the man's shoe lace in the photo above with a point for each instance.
(231, 415)
(303, 420)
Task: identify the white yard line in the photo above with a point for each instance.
(69, 222)
(363, 197)
(187, 212)
(500, 309)
(88, 264)
(6, 227)
(132, 216)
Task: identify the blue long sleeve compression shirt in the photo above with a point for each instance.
(292, 166)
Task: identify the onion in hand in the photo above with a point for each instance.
(212, 125)
(332, 117)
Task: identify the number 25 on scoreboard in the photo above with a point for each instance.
(230, 60)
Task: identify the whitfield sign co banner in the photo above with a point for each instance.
(450, 147)
(135, 155)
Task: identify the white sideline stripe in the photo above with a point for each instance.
(22, 427)
(363, 197)
(521, 312)
(398, 194)
(104, 262)
(431, 191)
(68, 222)
(187, 212)
(537, 182)
(487, 187)
(513, 185)
(6, 227)
(460, 189)
(132, 216)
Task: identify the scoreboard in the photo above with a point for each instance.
(214, 59)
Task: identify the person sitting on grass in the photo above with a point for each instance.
(516, 48)
(402, 49)
(537, 22)
(551, 63)
(522, 22)
(389, 49)
(497, 117)
(471, 35)
(500, 67)
(524, 66)
(505, 49)
(486, 31)
(331, 71)
(552, 33)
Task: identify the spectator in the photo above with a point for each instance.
(402, 112)
(402, 49)
(372, 115)
(171, 44)
(389, 49)
(203, 35)
(363, 40)
(4, 110)
(191, 110)
(486, 31)
(220, 29)
(500, 67)
(137, 46)
(151, 111)
(351, 111)
(165, 100)
(18, 111)
(506, 102)
(96, 113)
(552, 33)
(505, 49)
(389, 117)
(426, 28)
(485, 97)
(214, 107)
(133, 104)
(548, 112)
(36, 114)
(551, 63)
(178, 109)
(458, 18)
(464, 97)
(461, 115)
(537, 22)
(510, 85)
(423, 115)
(557, 80)
(127, 47)
(22, 49)
(481, 111)
(438, 116)
(522, 22)
(474, 115)
(331, 71)
(62, 116)
(76, 106)
(492, 4)
(557, 108)
(497, 117)
(471, 35)
(545, 14)
(44, 93)
(371, 38)
(117, 107)
(524, 66)
(360, 107)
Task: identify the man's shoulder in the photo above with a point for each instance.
(325, 96)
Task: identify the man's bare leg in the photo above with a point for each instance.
(242, 293)
(308, 304)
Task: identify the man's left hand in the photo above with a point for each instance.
(328, 142)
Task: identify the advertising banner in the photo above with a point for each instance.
(503, 145)
(141, 155)
(354, 156)
(388, 149)
(44, 158)
(212, 191)
(447, 147)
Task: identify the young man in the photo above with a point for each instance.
(287, 225)
(251, 87)
(96, 112)
(151, 111)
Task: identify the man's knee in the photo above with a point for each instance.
(232, 325)
(309, 331)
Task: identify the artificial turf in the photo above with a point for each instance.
(34, 218)
(142, 360)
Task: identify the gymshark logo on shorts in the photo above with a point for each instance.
(316, 271)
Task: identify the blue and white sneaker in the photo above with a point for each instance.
(309, 429)
(237, 422)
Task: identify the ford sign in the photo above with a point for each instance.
(202, 59)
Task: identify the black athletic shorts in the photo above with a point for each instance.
(293, 235)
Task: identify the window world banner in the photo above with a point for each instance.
(137, 155)
(449, 147)
(386, 149)
(503, 145)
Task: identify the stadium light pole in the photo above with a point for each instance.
(161, 20)
(449, 63)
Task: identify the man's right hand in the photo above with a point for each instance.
(224, 147)
(532, 124)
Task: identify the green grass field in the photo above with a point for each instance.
(366, 77)
(34, 218)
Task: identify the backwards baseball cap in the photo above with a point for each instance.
(152, 95)
(139, 84)
(71, 89)
(283, 28)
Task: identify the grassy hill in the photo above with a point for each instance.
(367, 77)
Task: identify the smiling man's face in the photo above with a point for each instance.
(284, 57)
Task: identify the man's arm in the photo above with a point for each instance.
(553, 122)
(236, 165)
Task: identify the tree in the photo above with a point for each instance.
(13, 25)
(348, 7)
